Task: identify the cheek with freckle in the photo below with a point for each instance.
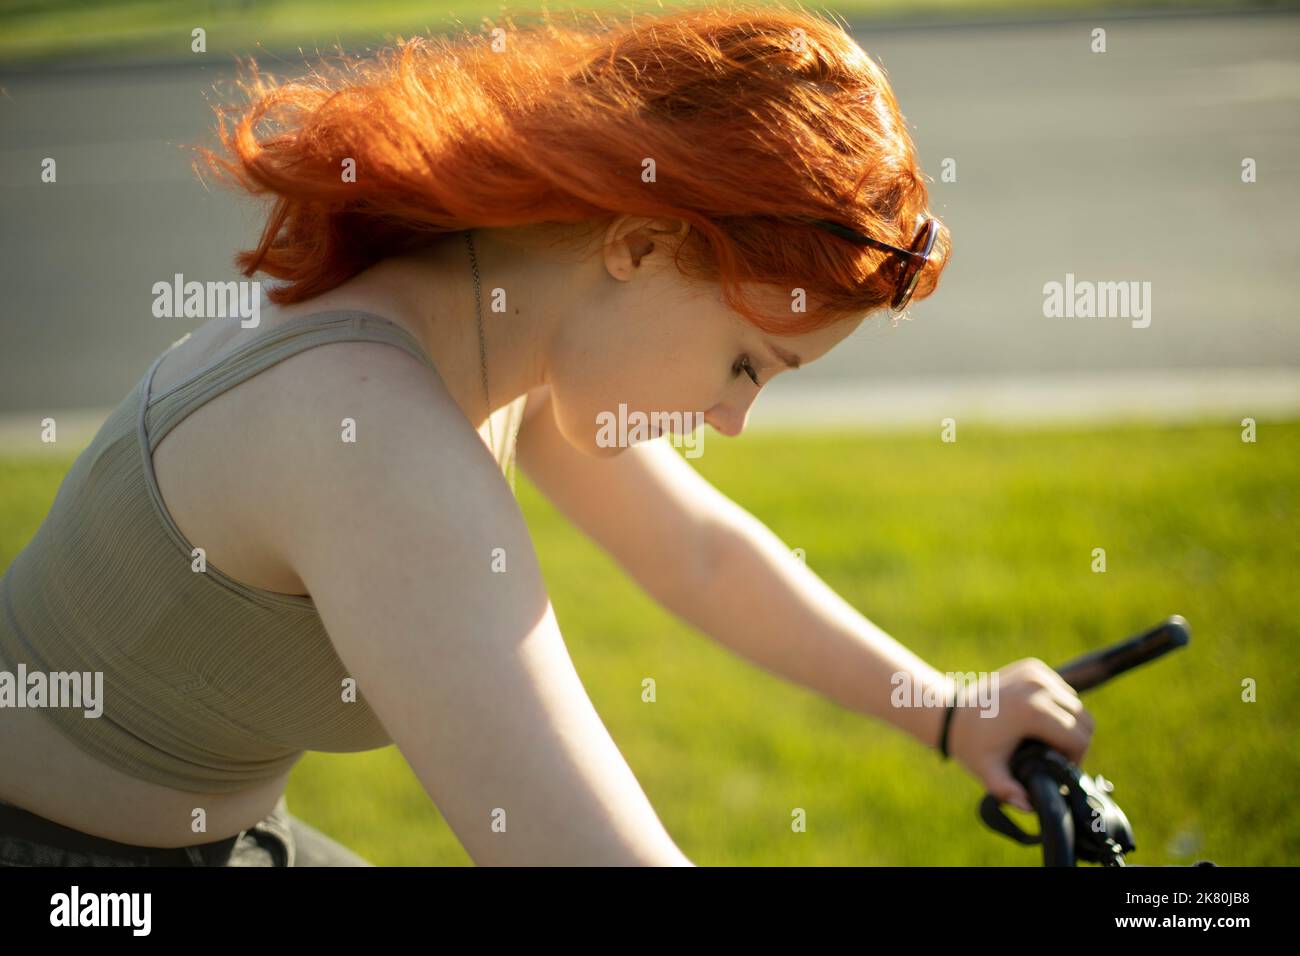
(644, 378)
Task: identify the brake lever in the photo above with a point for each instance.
(1077, 817)
(991, 813)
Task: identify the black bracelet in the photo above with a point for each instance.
(947, 720)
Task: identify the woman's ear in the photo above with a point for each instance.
(629, 239)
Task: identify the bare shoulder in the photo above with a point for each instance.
(359, 432)
(336, 382)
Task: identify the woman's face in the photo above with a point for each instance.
(655, 342)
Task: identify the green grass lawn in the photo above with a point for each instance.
(973, 554)
(107, 29)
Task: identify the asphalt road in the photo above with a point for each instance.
(1123, 166)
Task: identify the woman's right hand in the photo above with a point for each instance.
(1032, 701)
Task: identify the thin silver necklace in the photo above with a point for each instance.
(482, 358)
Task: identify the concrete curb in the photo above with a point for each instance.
(1158, 396)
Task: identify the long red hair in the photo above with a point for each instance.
(737, 118)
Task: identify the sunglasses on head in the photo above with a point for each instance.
(914, 259)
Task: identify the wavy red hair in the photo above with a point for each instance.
(754, 117)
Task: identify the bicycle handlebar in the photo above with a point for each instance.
(1077, 818)
(1097, 667)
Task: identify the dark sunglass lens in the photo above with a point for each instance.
(910, 273)
(924, 241)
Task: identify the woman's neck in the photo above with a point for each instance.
(432, 293)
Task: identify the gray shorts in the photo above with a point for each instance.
(280, 839)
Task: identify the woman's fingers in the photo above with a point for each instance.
(1056, 682)
(1070, 703)
(1065, 697)
(1063, 730)
(1066, 700)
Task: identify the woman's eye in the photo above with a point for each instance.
(743, 366)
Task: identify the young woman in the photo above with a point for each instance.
(302, 535)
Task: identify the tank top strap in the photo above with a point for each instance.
(162, 412)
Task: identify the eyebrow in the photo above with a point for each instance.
(789, 358)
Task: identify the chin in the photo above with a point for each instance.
(594, 450)
(603, 451)
(588, 445)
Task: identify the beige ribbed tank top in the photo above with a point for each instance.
(209, 684)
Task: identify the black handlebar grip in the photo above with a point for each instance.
(1100, 666)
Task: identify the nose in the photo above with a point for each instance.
(727, 421)
(729, 416)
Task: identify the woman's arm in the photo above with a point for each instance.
(764, 603)
(420, 565)
(646, 507)
(710, 562)
(717, 567)
(767, 605)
